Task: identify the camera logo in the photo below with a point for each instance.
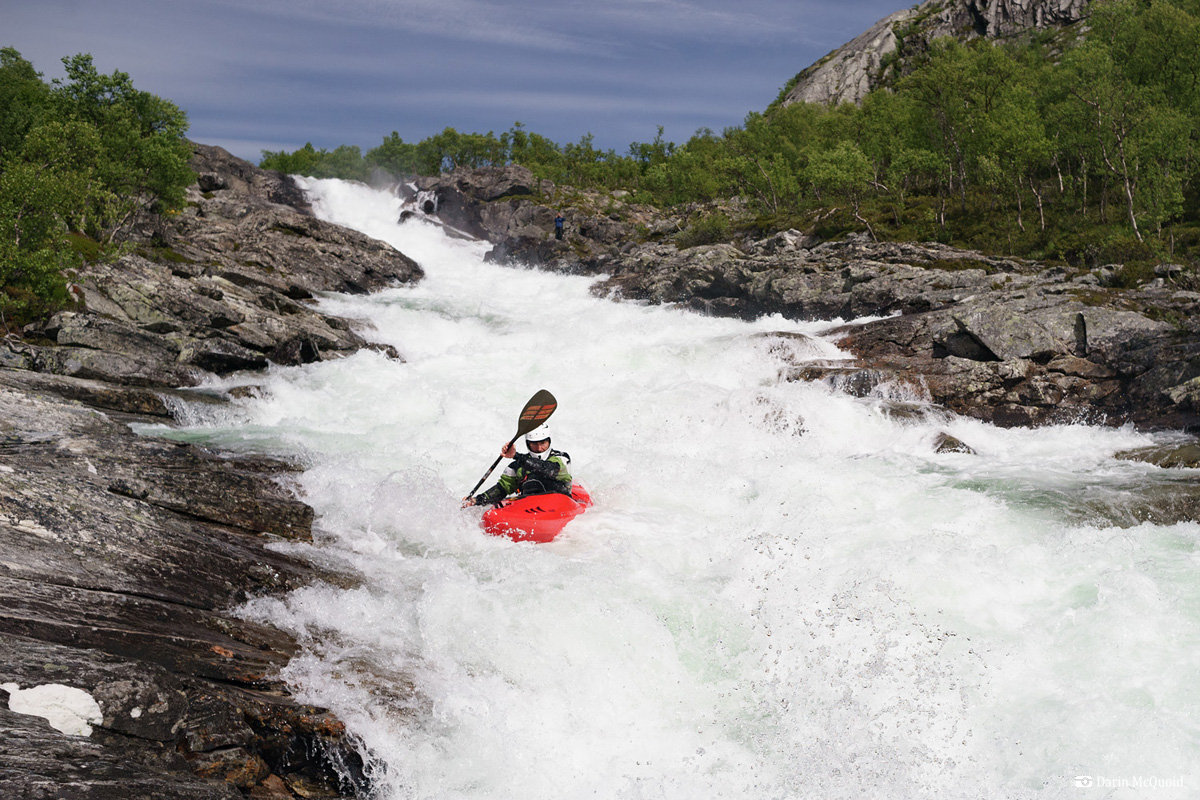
(1084, 780)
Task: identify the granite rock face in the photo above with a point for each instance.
(847, 74)
(225, 286)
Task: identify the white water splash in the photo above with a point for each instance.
(782, 591)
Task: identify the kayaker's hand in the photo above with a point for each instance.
(469, 501)
(508, 451)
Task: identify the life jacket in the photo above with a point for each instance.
(529, 474)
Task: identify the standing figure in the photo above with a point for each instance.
(558, 225)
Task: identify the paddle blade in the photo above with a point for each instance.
(536, 411)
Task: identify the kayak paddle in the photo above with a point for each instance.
(536, 411)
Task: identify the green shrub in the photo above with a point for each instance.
(708, 229)
(81, 161)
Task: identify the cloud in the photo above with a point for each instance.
(277, 73)
(456, 20)
(598, 28)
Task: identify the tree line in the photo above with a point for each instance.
(82, 159)
(1084, 156)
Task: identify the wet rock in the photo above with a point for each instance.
(119, 559)
(297, 350)
(37, 761)
(514, 212)
(235, 766)
(1166, 503)
(120, 555)
(462, 198)
(848, 378)
(221, 357)
(97, 394)
(1182, 456)
(945, 443)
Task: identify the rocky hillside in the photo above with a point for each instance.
(222, 287)
(122, 557)
(885, 51)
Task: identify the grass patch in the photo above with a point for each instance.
(163, 254)
(290, 230)
(87, 247)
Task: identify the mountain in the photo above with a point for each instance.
(887, 50)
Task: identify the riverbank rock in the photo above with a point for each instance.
(1003, 340)
(120, 559)
(226, 286)
(510, 208)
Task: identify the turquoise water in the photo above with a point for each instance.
(781, 591)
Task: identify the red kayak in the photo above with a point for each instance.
(537, 518)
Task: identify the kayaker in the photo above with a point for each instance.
(540, 471)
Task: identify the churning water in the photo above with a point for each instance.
(782, 591)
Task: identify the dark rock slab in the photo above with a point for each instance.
(946, 443)
(162, 733)
(39, 763)
(120, 559)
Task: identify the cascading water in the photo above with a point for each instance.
(781, 592)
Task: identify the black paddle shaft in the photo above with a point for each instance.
(536, 411)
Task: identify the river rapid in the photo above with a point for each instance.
(781, 592)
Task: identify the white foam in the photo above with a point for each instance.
(66, 708)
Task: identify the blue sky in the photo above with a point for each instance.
(274, 74)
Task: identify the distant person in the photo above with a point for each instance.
(540, 471)
(558, 225)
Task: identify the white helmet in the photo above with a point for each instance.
(538, 434)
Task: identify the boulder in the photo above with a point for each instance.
(1170, 456)
(945, 443)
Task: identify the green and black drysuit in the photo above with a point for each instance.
(528, 474)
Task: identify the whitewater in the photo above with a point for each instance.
(782, 591)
